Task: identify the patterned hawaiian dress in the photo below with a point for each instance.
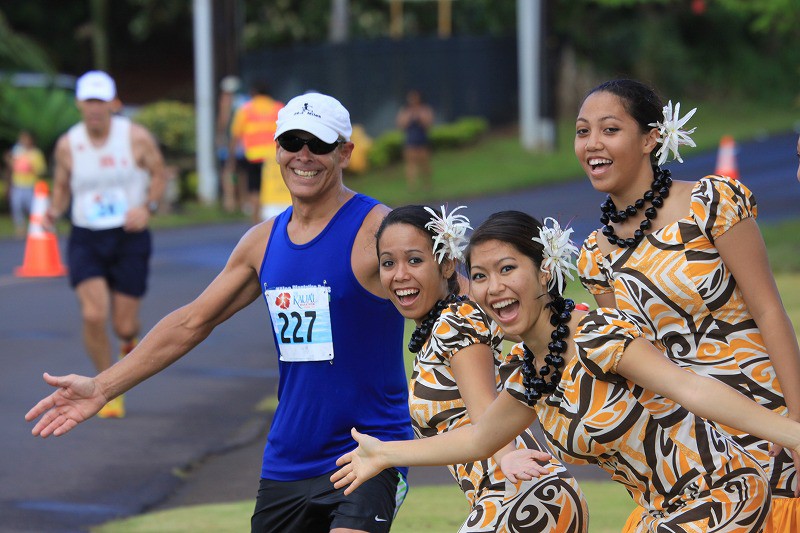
(684, 473)
(553, 503)
(687, 303)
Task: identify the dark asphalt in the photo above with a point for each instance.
(193, 434)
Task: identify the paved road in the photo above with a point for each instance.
(204, 405)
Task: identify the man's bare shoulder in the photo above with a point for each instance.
(141, 134)
(61, 150)
(253, 244)
(376, 216)
(372, 222)
(62, 142)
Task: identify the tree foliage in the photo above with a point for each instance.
(720, 48)
(46, 112)
(282, 22)
(782, 16)
(718, 52)
(19, 52)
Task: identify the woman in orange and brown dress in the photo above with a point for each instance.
(687, 262)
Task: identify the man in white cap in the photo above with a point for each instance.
(113, 172)
(339, 339)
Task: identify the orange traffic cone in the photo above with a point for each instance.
(42, 259)
(726, 158)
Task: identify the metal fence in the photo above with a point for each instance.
(459, 76)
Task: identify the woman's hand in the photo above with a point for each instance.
(524, 464)
(776, 449)
(361, 464)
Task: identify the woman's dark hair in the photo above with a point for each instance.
(639, 100)
(511, 227)
(416, 216)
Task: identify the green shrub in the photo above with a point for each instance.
(463, 132)
(172, 123)
(388, 147)
(46, 112)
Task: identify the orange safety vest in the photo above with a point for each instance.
(255, 126)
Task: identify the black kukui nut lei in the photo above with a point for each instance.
(537, 386)
(659, 189)
(423, 331)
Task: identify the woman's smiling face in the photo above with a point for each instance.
(507, 285)
(409, 271)
(610, 145)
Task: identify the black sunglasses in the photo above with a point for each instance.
(292, 143)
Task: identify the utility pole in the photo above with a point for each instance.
(445, 18)
(99, 11)
(536, 131)
(395, 19)
(207, 179)
(339, 27)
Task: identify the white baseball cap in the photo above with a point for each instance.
(96, 85)
(319, 114)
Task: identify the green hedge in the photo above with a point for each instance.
(388, 147)
(46, 112)
(172, 123)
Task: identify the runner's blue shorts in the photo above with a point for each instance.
(119, 256)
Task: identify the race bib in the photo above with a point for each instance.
(301, 318)
(105, 209)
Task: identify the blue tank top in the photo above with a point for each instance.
(329, 385)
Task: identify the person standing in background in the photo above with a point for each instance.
(254, 127)
(234, 183)
(27, 164)
(415, 119)
(113, 171)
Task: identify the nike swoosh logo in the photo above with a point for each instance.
(379, 519)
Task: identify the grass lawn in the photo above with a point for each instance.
(432, 509)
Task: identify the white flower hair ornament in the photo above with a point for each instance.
(450, 233)
(672, 136)
(558, 253)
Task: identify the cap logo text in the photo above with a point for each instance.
(307, 110)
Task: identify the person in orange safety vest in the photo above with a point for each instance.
(254, 127)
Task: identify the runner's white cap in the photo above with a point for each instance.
(320, 115)
(95, 85)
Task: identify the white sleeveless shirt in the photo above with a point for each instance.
(105, 180)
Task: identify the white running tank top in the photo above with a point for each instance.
(105, 180)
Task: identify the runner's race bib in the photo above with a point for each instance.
(301, 318)
(105, 209)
